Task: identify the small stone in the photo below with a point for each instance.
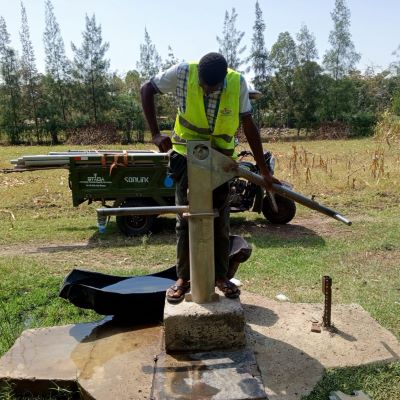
(315, 327)
(281, 297)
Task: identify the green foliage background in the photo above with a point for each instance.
(301, 89)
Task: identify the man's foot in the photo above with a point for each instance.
(229, 289)
(176, 292)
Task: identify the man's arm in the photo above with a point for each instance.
(147, 92)
(253, 137)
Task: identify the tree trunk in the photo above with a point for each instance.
(93, 98)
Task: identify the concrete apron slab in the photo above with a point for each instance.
(292, 359)
(101, 360)
(217, 375)
(105, 361)
(116, 362)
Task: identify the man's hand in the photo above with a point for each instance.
(269, 179)
(253, 137)
(147, 92)
(163, 142)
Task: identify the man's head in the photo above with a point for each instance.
(212, 71)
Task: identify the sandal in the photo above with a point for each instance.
(175, 289)
(229, 289)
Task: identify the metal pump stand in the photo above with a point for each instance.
(205, 173)
(208, 169)
(201, 225)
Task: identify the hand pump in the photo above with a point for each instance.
(208, 169)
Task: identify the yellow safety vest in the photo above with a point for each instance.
(193, 125)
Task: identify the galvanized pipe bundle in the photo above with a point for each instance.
(93, 157)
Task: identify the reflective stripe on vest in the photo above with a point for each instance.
(193, 123)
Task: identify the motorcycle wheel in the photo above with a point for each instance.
(286, 210)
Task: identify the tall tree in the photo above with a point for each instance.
(283, 53)
(91, 70)
(4, 36)
(167, 105)
(57, 66)
(229, 42)
(307, 80)
(259, 53)
(340, 61)
(10, 90)
(132, 83)
(170, 60)
(283, 58)
(308, 90)
(30, 76)
(395, 65)
(342, 57)
(306, 48)
(150, 61)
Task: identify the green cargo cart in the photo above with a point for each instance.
(131, 178)
(136, 179)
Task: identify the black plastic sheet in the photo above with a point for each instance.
(140, 298)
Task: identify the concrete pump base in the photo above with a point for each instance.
(202, 327)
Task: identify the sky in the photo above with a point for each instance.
(191, 27)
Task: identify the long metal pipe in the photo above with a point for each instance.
(257, 179)
(291, 194)
(142, 210)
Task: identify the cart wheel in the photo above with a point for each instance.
(135, 225)
(286, 210)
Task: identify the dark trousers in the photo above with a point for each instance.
(178, 171)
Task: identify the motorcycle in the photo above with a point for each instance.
(246, 196)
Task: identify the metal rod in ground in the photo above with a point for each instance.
(327, 291)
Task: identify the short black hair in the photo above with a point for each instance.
(212, 69)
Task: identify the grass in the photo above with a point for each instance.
(380, 382)
(359, 178)
(29, 299)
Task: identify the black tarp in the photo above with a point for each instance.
(139, 298)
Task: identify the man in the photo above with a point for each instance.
(212, 101)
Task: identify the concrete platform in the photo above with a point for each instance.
(292, 359)
(202, 327)
(105, 361)
(217, 375)
(101, 360)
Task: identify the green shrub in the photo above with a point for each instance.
(166, 125)
(362, 124)
(268, 119)
(396, 103)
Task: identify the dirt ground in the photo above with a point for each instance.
(319, 225)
